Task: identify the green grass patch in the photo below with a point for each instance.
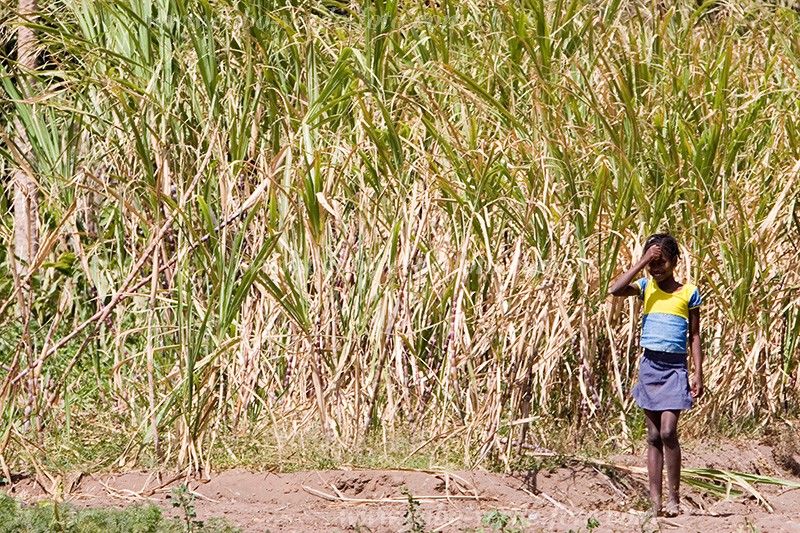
(49, 516)
(311, 450)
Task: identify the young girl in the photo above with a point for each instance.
(671, 315)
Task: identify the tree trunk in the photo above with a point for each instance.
(26, 210)
(26, 227)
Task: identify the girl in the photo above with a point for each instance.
(671, 314)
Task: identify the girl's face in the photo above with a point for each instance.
(661, 268)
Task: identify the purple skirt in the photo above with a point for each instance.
(663, 382)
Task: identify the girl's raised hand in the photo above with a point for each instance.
(654, 252)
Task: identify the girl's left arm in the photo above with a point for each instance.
(697, 353)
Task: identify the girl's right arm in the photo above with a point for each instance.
(624, 286)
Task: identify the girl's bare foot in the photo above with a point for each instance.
(672, 508)
(655, 508)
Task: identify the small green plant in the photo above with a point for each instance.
(750, 527)
(183, 498)
(502, 522)
(649, 524)
(591, 524)
(412, 516)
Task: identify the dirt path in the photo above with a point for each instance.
(559, 500)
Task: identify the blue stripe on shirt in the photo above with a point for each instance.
(664, 333)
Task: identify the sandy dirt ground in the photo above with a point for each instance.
(552, 500)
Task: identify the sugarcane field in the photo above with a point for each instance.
(399, 266)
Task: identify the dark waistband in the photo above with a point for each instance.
(665, 357)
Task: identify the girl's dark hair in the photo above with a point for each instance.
(667, 243)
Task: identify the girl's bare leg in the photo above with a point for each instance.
(672, 456)
(655, 457)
